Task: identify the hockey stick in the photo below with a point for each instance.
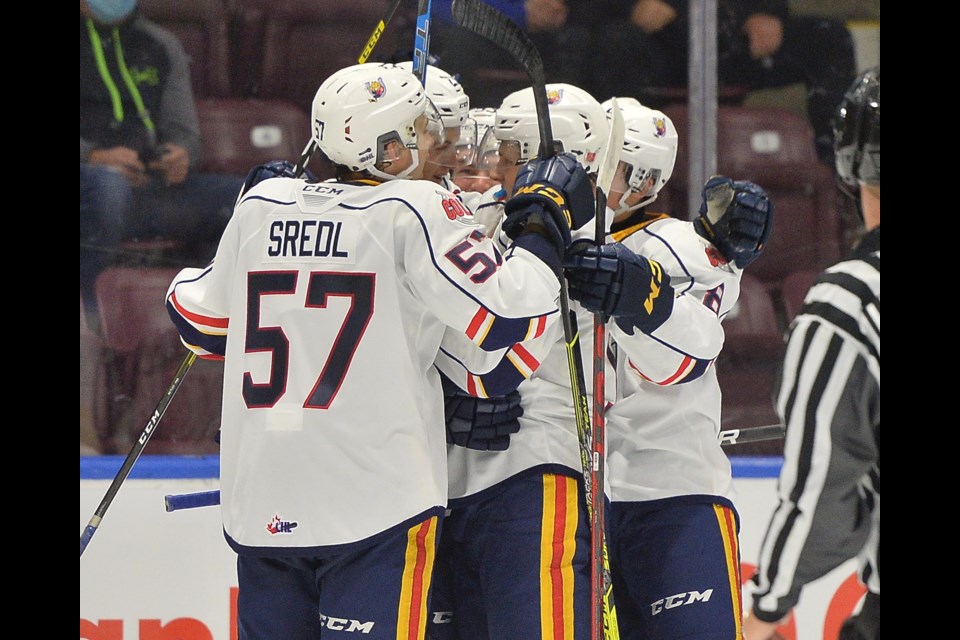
(364, 55)
(753, 434)
(421, 41)
(600, 569)
(135, 451)
(377, 32)
(177, 502)
(491, 24)
(180, 501)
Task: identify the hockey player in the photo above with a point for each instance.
(673, 526)
(453, 105)
(514, 559)
(328, 301)
(472, 172)
(828, 396)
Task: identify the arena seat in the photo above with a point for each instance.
(794, 290)
(748, 365)
(287, 48)
(91, 372)
(142, 353)
(773, 147)
(203, 29)
(239, 133)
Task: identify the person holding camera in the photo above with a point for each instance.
(140, 143)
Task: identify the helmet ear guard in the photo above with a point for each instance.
(856, 131)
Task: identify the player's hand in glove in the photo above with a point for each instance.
(737, 217)
(273, 169)
(555, 193)
(613, 280)
(484, 424)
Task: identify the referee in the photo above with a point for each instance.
(829, 399)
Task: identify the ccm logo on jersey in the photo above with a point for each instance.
(308, 238)
(680, 600)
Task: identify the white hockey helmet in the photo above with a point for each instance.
(471, 134)
(649, 149)
(578, 121)
(360, 109)
(446, 93)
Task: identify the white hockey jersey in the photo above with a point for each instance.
(329, 302)
(663, 426)
(548, 439)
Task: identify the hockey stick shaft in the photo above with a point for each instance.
(135, 451)
(177, 502)
(752, 434)
(421, 41)
(377, 32)
(364, 55)
(488, 22)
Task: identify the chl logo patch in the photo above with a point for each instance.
(279, 525)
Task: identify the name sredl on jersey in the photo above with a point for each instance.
(329, 240)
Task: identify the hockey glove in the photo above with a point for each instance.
(484, 424)
(556, 193)
(613, 280)
(273, 169)
(737, 217)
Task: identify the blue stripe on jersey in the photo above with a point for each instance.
(191, 335)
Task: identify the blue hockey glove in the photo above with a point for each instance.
(555, 192)
(273, 169)
(737, 217)
(613, 280)
(484, 424)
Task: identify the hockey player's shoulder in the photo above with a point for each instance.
(686, 246)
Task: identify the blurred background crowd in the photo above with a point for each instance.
(180, 98)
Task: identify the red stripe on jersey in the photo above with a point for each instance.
(219, 323)
(416, 602)
(526, 357)
(541, 325)
(476, 323)
(471, 385)
(728, 531)
(678, 374)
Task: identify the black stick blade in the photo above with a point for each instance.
(484, 20)
(487, 22)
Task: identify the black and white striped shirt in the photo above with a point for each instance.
(828, 396)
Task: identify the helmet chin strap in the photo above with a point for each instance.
(622, 204)
(415, 153)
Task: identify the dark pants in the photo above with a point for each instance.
(193, 213)
(515, 564)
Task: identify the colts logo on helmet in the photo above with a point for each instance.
(660, 124)
(554, 96)
(377, 88)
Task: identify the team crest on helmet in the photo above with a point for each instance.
(660, 124)
(377, 88)
(554, 96)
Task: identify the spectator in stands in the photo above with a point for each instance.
(140, 142)
(561, 30)
(760, 45)
(829, 400)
